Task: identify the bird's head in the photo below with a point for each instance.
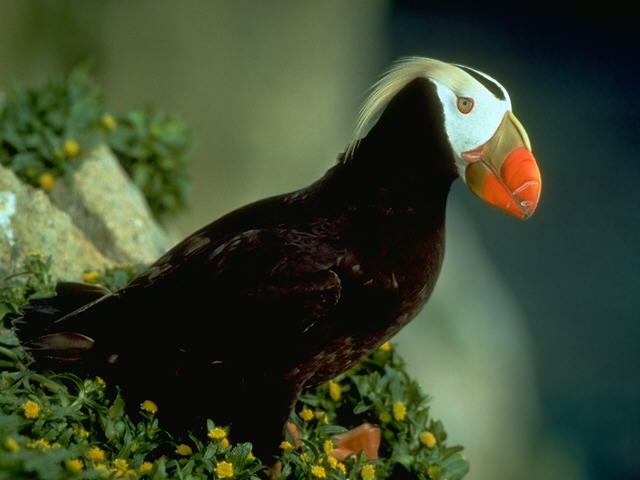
(490, 148)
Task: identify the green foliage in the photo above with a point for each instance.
(152, 147)
(60, 426)
(378, 391)
(44, 131)
(34, 281)
(117, 277)
(36, 123)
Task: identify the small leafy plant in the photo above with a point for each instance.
(151, 146)
(44, 131)
(61, 426)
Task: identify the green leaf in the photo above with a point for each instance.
(361, 407)
(330, 430)
(117, 409)
(454, 468)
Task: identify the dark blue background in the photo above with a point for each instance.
(573, 79)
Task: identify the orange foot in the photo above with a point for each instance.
(293, 430)
(366, 437)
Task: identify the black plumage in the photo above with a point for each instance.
(282, 294)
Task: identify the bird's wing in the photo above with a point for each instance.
(265, 283)
(280, 280)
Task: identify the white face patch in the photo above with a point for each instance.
(467, 131)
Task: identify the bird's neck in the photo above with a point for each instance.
(386, 196)
(404, 165)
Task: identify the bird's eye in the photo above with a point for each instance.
(465, 104)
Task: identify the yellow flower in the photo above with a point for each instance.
(332, 461)
(385, 347)
(31, 409)
(95, 453)
(286, 445)
(217, 433)
(224, 470)
(74, 465)
(115, 473)
(100, 466)
(183, 449)
(90, 277)
(319, 414)
(224, 442)
(146, 467)
(40, 444)
(433, 471)
(108, 122)
(335, 392)
(305, 457)
(399, 411)
(342, 468)
(100, 381)
(71, 148)
(11, 445)
(327, 446)
(368, 472)
(46, 181)
(121, 468)
(428, 439)
(83, 433)
(318, 471)
(306, 415)
(149, 406)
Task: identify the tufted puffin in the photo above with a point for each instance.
(292, 290)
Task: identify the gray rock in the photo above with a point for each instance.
(106, 205)
(29, 223)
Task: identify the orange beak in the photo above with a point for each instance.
(503, 171)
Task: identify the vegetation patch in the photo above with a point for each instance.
(44, 131)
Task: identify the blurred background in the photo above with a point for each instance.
(529, 345)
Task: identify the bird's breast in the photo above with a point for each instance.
(401, 269)
(383, 289)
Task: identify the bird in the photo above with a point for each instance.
(285, 293)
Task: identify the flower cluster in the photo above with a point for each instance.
(390, 420)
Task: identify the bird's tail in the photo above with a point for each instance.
(41, 330)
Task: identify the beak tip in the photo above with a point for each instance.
(528, 208)
(526, 215)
